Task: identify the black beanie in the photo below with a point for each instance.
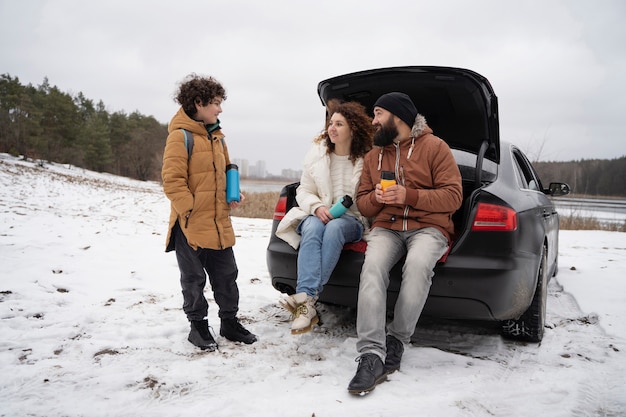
(399, 104)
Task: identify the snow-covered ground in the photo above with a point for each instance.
(92, 325)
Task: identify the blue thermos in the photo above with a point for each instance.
(232, 183)
(340, 207)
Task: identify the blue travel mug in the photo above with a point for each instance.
(232, 183)
(340, 207)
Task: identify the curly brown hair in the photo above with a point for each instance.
(360, 124)
(196, 89)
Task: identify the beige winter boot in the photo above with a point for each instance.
(289, 304)
(305, 316)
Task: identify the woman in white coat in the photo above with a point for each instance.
(332, 170)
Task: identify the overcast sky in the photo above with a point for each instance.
(557, 67)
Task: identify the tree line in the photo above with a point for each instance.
(590, 177)
(41, 122)
(44, 123)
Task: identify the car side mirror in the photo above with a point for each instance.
(558, 189)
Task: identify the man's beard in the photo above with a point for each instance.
(386, 134)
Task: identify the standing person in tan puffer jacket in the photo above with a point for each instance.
(200, 230)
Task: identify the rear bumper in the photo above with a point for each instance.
(486, 288)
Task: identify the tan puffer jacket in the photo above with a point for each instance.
(197, 190)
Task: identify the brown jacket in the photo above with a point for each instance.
(197, 188)
(430, 175)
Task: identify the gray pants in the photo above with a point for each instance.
(423, 248)
(222, 270)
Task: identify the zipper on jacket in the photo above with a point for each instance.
(397, 164)
(219, 236)
(405, 214)
(217, 226)
(401, 180)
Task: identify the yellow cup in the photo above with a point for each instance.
(387, 179)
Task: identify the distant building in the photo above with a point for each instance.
(261, 169)
(244, 168)
(291, 173)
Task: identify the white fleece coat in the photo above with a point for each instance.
(315, 190)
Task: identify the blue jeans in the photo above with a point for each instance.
(320, 249)
(423, 248)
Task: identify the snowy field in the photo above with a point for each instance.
(92, 324)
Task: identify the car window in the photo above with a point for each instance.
(521, 180)
(527, 176)
(467, 165)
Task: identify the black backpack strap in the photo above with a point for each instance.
(188, 142)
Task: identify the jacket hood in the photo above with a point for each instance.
(418, 126)
(181, 121)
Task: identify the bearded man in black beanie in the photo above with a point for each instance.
(411, 218)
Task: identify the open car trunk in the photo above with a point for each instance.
(459, 105)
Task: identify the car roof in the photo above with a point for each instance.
(459, 104)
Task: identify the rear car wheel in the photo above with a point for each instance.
(529, 327)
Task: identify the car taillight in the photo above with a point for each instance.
(494, 218)
(281, 208)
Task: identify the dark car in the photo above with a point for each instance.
(506, 241)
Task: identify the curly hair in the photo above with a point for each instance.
(196, 89)
(359, 122)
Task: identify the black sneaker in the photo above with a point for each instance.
(370, 373)
(395, 348)
(232, 330)
(201, 336)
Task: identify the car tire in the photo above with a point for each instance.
(530, 326)
(556, 266)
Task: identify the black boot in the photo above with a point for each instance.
(370, 373)
(395, 348)
(201, 336)
(232, 330)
